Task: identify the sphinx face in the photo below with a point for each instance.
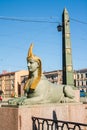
(32, 65)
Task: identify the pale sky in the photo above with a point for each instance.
(25, 21)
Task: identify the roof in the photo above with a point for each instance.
(7, 73)
(82, 70)
(50, 72)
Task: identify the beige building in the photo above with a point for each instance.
(81, 79)
(54, 76)
(10, 83)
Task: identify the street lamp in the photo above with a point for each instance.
(59, 28)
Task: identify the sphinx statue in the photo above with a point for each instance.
(38, 89)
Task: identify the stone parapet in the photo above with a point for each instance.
(19, 118)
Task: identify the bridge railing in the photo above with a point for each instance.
(49, 124)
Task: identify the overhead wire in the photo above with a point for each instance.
(37, 21)
(25, 20)
(82, 22)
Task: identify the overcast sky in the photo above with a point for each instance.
(25, 21)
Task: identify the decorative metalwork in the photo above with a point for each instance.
(49, 124)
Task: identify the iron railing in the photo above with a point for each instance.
(49, 124)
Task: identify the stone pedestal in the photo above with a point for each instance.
(77, 95)
(13, 118)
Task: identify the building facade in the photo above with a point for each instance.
(12, 83)
(54, 76)
(81, 79)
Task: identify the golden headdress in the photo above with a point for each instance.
(37, 59)
(31, 55)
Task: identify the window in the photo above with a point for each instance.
(86, 75)
(86, 82)
(81, 75)
(77, 76)
(82, 83)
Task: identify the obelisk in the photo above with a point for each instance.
(67, 65)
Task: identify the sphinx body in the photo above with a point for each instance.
(39, 90)
(47, 92)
